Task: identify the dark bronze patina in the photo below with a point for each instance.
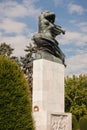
(45, 38)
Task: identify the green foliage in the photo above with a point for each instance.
(15, 106)
(5, 49)
(76, 95)
(27, 64)
(74, 123)
(79, 111)
(83, 123)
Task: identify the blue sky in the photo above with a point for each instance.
(19, 22)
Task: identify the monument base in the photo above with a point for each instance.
(61, 121)
(52, 121)
(48, 96)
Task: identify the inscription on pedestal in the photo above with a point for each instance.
(60, 122)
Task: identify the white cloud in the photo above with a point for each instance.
(82, 26)
(18, 43)
(29, 2)
(14, 9)
(69, 36)
(10, 12)
(81, 50)
(10, 26)
(76, 64)
(74, 8)
(77, 38)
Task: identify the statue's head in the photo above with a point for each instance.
(50, 16)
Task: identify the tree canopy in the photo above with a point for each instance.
(6, 49)
(15, 105)
(76, 95)
(27, 64)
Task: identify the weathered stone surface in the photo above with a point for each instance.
(48, 85)
(48, 91)
(61, 121)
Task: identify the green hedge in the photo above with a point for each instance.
(83, 123)
(15, 106)
(74, 123)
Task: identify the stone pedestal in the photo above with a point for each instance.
(48, 93)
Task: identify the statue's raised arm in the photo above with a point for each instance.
(47, 32)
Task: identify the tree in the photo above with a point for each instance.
(83, 123)
(76, 95)
(74, 123)
(5, 49)
(15, 105)
(27, 64)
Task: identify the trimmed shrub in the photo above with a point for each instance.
(15, 105)
(83, 123)
(74, 122)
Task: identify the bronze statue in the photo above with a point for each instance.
(45, 38)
